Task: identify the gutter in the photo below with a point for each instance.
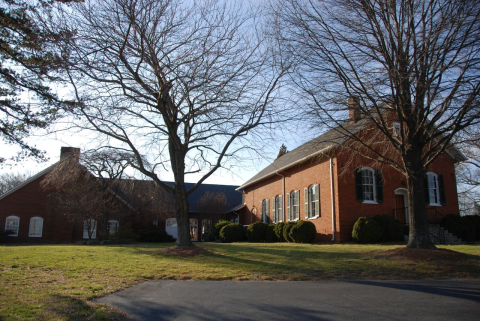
(332, 190)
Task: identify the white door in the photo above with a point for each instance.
(171, 227)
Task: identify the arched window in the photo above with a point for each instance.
(434, 189)
(265, 211)
(369, 185)
(293, 205)
(90, 229)
(312, 201)
(11, 225)
(36, 227)
(112, 226)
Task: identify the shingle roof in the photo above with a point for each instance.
(318, 146)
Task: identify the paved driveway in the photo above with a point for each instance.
(354, 300)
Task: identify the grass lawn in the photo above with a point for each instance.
(57, 282)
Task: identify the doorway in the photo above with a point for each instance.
(401, 205)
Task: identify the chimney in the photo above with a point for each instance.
(354, 109)
(70, 152)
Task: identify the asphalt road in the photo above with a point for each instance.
(332, 300)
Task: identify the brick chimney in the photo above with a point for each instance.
(354, 109)
(70, 152)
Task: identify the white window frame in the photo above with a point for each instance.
(313, 202)
(36, 227)
(433, 189)
(12, 223)
(279, 208)
(113, 223)
(85, 228)
(373, 185)
(264, 210)
(294, 205)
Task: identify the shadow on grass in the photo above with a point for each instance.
(73, 309)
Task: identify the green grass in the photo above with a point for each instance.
(57, 282)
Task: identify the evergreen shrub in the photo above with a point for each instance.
(392, 228)
(278, 229)
(303, 232)
(232, 232)
(157, 236)
(270, 235)
(366, 230)
(286, 231)
(256, 232)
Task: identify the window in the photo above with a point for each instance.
(312, 201)
(293, 205)
(396, 130)
(206, 227)
(112, 226)
(278, 208)
(36, 227)
(265, 209)
(194, 229)
(90, 229)
(369, 185)
(11, 225)
(434, 189)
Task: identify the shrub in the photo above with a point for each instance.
(392, 228)
(157, 236)
(4, 236)
(278, 229)
(270, 235)
(286, 231)
(367, 230)
(232, 232)
(124, 233)
(217, 227)
(303, 232)
(93, 242)
(256, 232)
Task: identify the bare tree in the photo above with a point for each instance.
(89, 186)
(10, 180)
(180, 84)
(213, 202)
(411, 62)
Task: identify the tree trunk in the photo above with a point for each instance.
(181, 213)
(418, 234)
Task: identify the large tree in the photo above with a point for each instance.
(412, 62)
(30, 58)
(179, 84)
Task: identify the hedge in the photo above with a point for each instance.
(366, 230)
(232, 232)
(270, 235)
(392, 228)
(286, 231)
(256, 232)
(303, 232)
(278, 229)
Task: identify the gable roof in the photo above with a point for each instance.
(319, 146)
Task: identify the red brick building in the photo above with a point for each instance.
(320, 181)
(32, 215)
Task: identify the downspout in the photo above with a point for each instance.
(333, 199)
(283, 196)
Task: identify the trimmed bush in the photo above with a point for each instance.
(232, 232)
(286, 231)
(367, 230)
(303, 232)
(256, 232)
(217, 227)
(158, 236)
(270, 235)
(4, 236)
(473, 220)
(278, 229)
(124, 233)
(392, 228)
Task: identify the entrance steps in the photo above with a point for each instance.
(450, 239)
